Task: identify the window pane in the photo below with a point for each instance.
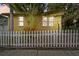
(21, 24)
(21, 18)
(44, 23)
(44, 18)
(50, 23)
(51, 18)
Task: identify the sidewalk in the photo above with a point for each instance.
(34, 52)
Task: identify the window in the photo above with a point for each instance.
(21, 21)
(51, 19)
(44, 21)
(47, 21)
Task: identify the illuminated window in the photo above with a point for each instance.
(47, 21)
(21, 21)
(51, 20)
(44, 21)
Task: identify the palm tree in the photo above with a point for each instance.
(28, 8)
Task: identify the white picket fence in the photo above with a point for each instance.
(40, 39)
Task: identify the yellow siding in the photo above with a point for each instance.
(37, 23)
(57, 23)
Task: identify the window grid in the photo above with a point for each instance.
(21, 21)
(44, 21)
(48, 21)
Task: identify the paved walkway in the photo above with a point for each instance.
(34, 52)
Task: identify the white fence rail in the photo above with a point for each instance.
(40, 39)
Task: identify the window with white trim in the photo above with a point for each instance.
(47, 21)
(21, 21)
(44, 21)
(51, 20)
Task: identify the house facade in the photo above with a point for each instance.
(23, 22)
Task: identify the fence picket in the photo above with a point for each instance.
(65, 39)
(56, 38)
(16, 39)
(68, 37)
(1, 38)
(62, 38)
(76, 38)
(51, 38)
(45, 38)
(37, 39)
(71, 38)
(34, 38)
(48, 38)
(26, 36)
(41, 38)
